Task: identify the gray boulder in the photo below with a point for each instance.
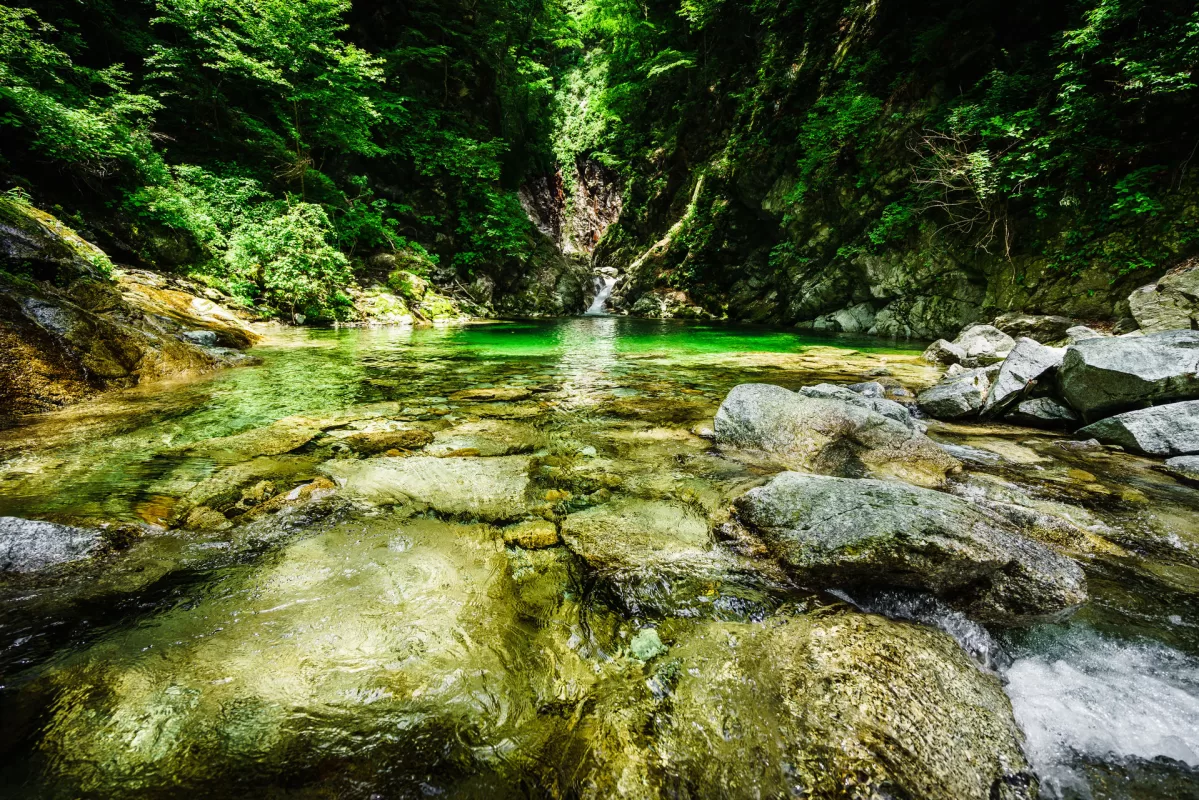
(202, 338)
(837, 533)
(1029, 363)
(27, 545)
(828, 435)
(1169, 430)
(985, 343)
(869, 398)
(1081, 333)
(1109, 375)
(944, 352)
(1185, 468)
(1043, 412)
(958, 395)
(1171, 303)
(1042, 327)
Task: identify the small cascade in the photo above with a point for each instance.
(603, 290)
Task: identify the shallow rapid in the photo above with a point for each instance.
(314, 641)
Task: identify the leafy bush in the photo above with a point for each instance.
(290, 258)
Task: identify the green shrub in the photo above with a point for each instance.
(290, 259)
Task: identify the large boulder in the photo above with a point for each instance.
(1043, 412)
(1029, 364)
(1042, 327)
(1110, 374)
(958, 395)
(984, 343)
(834, 533)
(1171, 303)
(484, 488)
(1185, 468)
(1169, 430)
(27, 545)
(837, 706)
(828, 436)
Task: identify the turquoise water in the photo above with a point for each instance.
(350, 648)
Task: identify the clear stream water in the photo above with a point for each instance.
(342, 649)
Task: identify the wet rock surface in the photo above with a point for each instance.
(828, 435)
(959, 395)
(844, 533)
(27, 545)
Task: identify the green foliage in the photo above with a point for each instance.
(290, 257)
(831, 128)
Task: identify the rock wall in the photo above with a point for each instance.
(71, 325)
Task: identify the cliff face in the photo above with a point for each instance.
(905, 169)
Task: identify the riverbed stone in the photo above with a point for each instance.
(509, 394)
(283, 436)
(838, 533)
(828, 436)
(1081, 333)
(958, 395)
(838, 705)
(984, 343)
(369, 443)
(1028, 364)
(486, 488)
(27, 545)
(1043, 412)
(944, 352)
(1099, 377)
(1169, 430)
(531, 535)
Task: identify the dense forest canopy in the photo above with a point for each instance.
(272, 146)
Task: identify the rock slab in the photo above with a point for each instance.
(829, 436)
(837, 533)
(1169, 430)
(1108, 375)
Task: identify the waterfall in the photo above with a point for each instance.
(603, 290)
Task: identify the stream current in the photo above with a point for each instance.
(357, 648)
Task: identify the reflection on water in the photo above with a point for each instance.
(353, 650)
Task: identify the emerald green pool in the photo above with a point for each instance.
(346, 648)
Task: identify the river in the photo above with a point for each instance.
(370, 649)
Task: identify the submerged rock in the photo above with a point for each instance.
(836, 533)
(1111, 374)
(487, 488)
(283, 436)
(1043, 412)
(28, 545)
(490, 395)
(958, 395)
(1169, 430)
(369, 443)
(1029, 363)
(837, 706)
(829, 436)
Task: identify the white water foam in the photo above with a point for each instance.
(604, 284)
(1091, 697)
